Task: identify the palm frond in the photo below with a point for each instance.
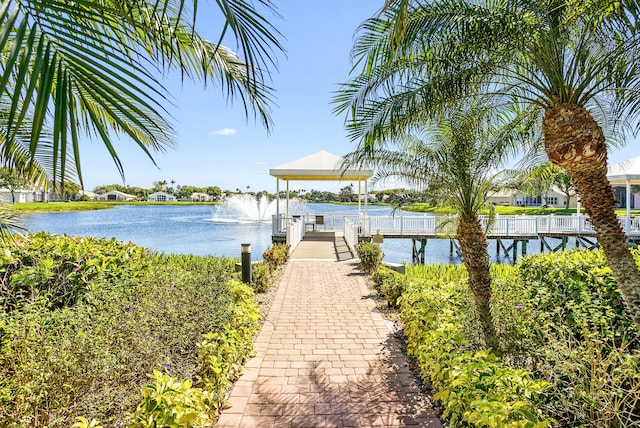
(93, 67)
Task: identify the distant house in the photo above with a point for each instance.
(19, 195)
(503, 197)
(553, 198)
(200, 197)
(115, 195)
(161, 197)
(92, 196)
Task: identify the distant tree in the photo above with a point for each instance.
(69, 191)
(562, 180)
(185, 192)
(158, 186)
(140, 192)
(214, 191)
(346, 193)
(108, 188)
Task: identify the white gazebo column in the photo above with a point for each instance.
(359, 195)
(627, 224)
(278, 198)
(287, 215)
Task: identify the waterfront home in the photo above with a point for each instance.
(115, 195)
(92, 196)
(8, 196)
(200, 197)
(552, 198)
(161, 197)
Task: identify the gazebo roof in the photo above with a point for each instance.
(620, 172)
(321, 166)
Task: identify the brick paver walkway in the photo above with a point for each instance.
(326, 358)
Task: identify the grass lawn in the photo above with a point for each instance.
(43, 207)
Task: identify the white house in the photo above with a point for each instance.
(161, 197)
(19, 195)
(553, 198)
(200, 197)
(115, 195)
(92, 196)
(503, 197)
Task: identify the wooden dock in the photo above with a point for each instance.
(512, 234)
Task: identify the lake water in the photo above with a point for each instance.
(190, 229)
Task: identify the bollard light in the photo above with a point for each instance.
(246, 263)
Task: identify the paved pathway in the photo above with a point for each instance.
(326, 358)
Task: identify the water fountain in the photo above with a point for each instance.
(245, 208)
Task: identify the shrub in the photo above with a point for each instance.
(370, 255)
(276, 255)
(475, 388)
(571, 328)
(379, 276)
(559, 317)
(169, 402)
(389, 283)
(61, 268)
(576, 288)
(261, 277)
(91, 358)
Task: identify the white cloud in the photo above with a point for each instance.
(261, 163)
(224, 131)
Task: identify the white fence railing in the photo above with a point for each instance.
(415, 225)
(295, 233)
(505, 226)
(350, 231)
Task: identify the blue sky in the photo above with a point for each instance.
(216, 145)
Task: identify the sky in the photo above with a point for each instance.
(217, 146)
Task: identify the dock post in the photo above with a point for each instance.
(246, 262)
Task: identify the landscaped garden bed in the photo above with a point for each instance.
(103, 332)
(570, 355)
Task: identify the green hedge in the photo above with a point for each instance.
(475, 388)
(134, 314)
(563, 329)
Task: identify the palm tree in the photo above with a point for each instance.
(92, 67)
(460, 151)
(573, 62)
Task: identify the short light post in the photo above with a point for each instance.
(246, 263)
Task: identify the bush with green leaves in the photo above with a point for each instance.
(370, 255)
(276, 255)
(171, 402)
(475, 388)
(261, 277)
(61, 269)
(389, 283)
(91, 358)
(562, 317)
(559, 317)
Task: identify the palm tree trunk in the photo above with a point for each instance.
(475, 257)
(574, 141)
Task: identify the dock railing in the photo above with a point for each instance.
(295, 233)
(501, 226)
(351, 233)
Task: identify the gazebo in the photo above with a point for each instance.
(320, 166)
(626, 173)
